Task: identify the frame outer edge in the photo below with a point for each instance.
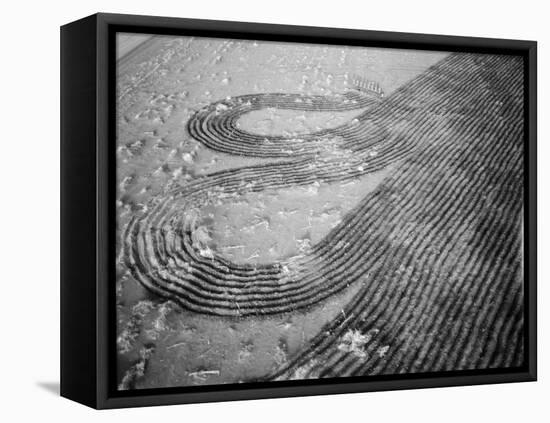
(532, 211)
(105, 173)
(77, 182)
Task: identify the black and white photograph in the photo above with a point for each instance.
(253, 212)
(296, 211)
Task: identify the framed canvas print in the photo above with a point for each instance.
(255, 211)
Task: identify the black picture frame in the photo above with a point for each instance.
(88, 217)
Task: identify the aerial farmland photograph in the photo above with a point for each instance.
(291, 211)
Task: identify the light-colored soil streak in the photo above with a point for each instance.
(283, 245)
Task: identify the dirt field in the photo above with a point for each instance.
(300, 211)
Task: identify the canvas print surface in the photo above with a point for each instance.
(297, 211)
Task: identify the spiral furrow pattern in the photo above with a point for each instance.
(436, 246)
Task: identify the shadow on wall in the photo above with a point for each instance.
(51, 387)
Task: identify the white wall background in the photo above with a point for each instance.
(29, 209)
